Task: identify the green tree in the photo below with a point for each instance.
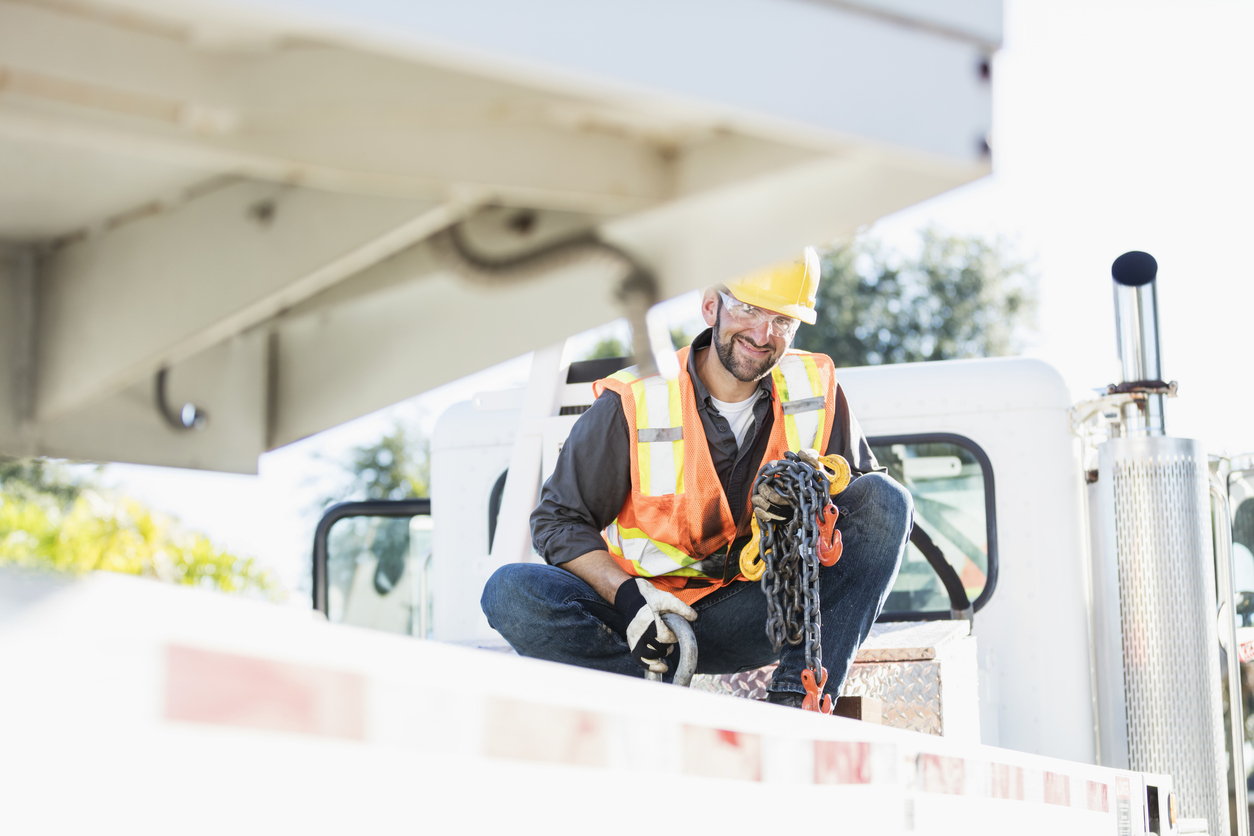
(397, 466)
(681, 338)
(960, 297)
(614, 347)
(39, 477)
(50, 520)
(608, 347)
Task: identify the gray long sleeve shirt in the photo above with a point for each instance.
(592, 478)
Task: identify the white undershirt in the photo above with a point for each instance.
(739, 416)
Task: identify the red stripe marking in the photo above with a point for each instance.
(1057, 789)
(839, 762)
(530, 731)
(718, 753)
(203, 686)
(938, 773)
(1005, 781)
(1098, 797)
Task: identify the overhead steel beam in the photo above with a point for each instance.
(18, 270)
(229, 380)
(420, 325)
(721, 233)
(116, 307)
(412, 323)
(258, 176)
(58, 137)
(779, 69)
(483, 95)
(317, 115)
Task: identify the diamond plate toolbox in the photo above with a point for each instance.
(924, 673)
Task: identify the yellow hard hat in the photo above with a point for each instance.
(789, 288)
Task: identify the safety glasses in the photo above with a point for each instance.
(751, 316)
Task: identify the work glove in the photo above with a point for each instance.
(642, 605)
(771, 506)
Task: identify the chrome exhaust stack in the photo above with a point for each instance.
(1136, 332)
(1155, 637)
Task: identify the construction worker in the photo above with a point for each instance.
(649, 504)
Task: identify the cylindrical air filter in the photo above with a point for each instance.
(1155, 636)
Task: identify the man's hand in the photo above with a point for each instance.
(811, 457)
(642, 605)
(771, 506)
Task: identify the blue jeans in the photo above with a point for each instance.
(548, 613)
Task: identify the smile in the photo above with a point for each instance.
(750, 347)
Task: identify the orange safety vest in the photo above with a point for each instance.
(677, 513)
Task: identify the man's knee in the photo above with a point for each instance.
(882, 512)
(507, 593)
(880, 500)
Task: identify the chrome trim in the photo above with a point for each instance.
(1225, 573)
(1137, 339)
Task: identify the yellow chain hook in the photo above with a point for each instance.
(751, 564)
(840, 475)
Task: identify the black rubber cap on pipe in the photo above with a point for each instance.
(1134, 269)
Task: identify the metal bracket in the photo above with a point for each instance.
(1144, 387)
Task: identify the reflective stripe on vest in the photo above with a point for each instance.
(649, 557)
(802, 400)
(660, 424)
(659, 431)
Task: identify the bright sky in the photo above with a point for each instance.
(1118, 126)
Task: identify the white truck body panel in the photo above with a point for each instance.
(144, 697)
(1036, 676)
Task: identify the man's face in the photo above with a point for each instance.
(749, 353)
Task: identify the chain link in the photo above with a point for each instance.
(790, 552)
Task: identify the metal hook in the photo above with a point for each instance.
(189, 417)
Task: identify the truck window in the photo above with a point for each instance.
(370, 565)
(951, 481)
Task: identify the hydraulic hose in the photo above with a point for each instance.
(959, 604)
(637, 290)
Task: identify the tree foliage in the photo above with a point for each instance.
(397, 466)
(608, 347)
(39, 477)
(681, 338)
(960, 297)
(51, 520)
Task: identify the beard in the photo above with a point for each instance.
(743, 369)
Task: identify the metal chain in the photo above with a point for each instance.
(790, 552)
